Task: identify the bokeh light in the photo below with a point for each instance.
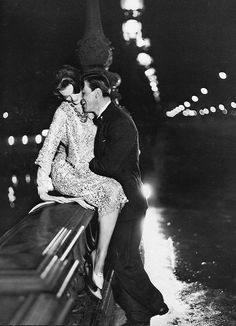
(222, 75)
(194, 98)
(11, 140)
(144, 59)
(204, 90)
(25, 140)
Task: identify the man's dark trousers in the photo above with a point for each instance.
(132, 288)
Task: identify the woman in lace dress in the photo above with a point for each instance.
(68, 172)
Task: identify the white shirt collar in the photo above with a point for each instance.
(104, 108)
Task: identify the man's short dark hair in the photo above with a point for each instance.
(98, 80)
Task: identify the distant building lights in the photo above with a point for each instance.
(190, 113)
(38, 139)
(233, 105)
(44, 132)
(222, 75)
(153, 78)
(143, 42)
(204, 91)
(14, 180)
(132, 29)
(194, 98)
(146, 190)
(187, 104)
(221, 107)
(156, 95)
(212, 109)
(5, 115)
(153, 84)
(170, 114)
(149, 72)
(144, 59)
(11, 140)
(27, 178)
(25, 140)
(11, 196)
(132, 4)
(154, 88)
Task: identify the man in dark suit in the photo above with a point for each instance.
(117, 156)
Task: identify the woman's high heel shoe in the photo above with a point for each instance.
(88, 271)
(97, 278)
(97, 293)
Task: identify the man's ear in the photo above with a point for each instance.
(98, 93)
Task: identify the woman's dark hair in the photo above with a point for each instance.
(65, 76)
(98, 80)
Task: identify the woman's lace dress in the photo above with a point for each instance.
(70, 171)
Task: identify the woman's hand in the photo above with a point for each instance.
(82, 203)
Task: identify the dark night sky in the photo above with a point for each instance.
(191, 41)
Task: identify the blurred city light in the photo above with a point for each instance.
(5, 115)
(38, 139)
(143, 42)
(204, 90)
(132, 29)
(14, 179)
(213, 109)
(206, 111)
(11, 140)
(144, 59)
(222, 75)
(194, 98)
(44, 132)
(187, 104)
(233, 104)
(27, 178)
(221, 107)
(150, 72)
(146, 190)
(11, 196)
(25, 140)
(131, 4)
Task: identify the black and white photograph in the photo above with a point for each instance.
(118, 162)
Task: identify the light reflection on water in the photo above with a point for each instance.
(189, 303)
(160, 262)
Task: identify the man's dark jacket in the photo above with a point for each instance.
(117, 156)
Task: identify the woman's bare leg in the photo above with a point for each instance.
(106, 226)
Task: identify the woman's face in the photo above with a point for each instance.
(69, 95)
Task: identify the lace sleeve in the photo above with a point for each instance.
(56, 133)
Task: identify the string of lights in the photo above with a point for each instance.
(132, 33)
(27, 139)
(191, 112)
